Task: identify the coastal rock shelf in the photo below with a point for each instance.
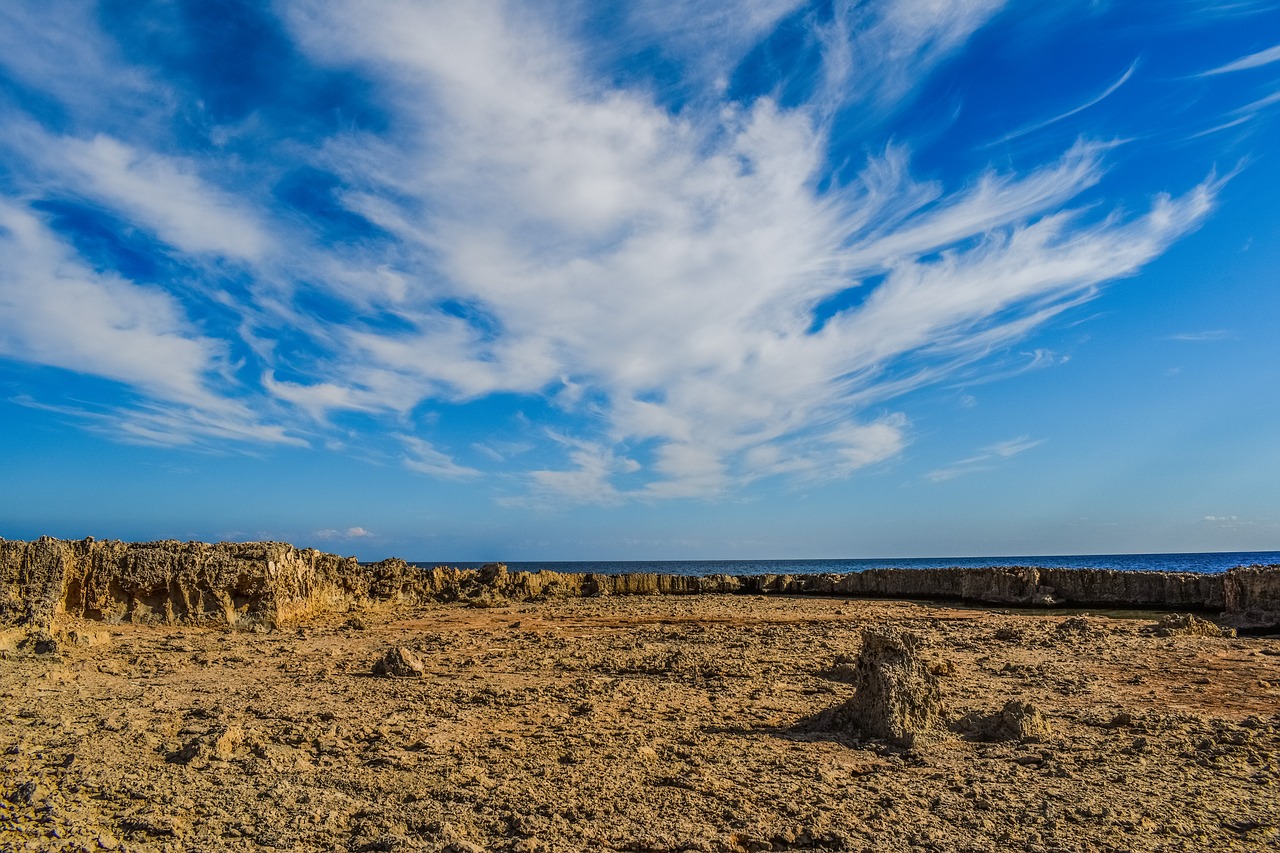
(275, 584)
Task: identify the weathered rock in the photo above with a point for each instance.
(1188, 625)
(399, 663)
(897, 696)
(1017, 720)
(273, 584)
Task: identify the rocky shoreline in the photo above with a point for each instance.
(276, 585)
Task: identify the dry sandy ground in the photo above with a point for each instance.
(638, 723)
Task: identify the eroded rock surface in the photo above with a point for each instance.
(272, 584)
(897, 696)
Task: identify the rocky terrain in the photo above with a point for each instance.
(645, 723)
(190, 697)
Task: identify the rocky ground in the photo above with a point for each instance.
(640, 723)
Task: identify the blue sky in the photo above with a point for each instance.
(535, 280)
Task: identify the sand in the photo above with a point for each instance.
(642, 723)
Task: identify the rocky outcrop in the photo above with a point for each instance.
(898, 696)
(1251, 594)
(276, 584)
(1019, 585)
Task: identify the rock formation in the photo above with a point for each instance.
(273, 584)
(897, 696)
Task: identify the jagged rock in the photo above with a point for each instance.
(1017, 720)
(274, 585)
(1188, 625)
(42, 643)
(898, 697)
(399, 663)
(493, 573)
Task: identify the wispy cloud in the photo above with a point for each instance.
(521, 223)
(1092, 102)
(421, 457)
(1244, 63)
(330, 533)
(1204, 337)
(984, 460)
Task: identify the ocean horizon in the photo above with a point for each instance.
(1199, 562)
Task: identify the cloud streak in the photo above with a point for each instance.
(1244, 63)
(697, 296)
(984, 460)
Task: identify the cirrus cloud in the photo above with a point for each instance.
(693, 296)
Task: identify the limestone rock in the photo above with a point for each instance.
(898, 696)
(1017, 720)
(399, 662)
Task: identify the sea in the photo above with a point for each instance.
(1206, 563)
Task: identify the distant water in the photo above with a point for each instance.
(1205, 563)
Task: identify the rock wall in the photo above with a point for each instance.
(276, 584)
(1019, 585)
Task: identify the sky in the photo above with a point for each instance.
(677, 279)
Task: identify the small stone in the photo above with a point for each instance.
(107, 842)
(1120, 720)
(1074, 625)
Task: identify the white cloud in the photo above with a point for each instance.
(423, 458)
(589, 481)
(330, 533)
(671, 264)
(163, 193)
(59, 312)
(56, 311)
(878, 52)
(1092, 102)
(57, 48)
(1253, 60)
(654, 275)
(1203, 337)
(985, 459)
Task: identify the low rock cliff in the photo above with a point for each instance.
(276, 584)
